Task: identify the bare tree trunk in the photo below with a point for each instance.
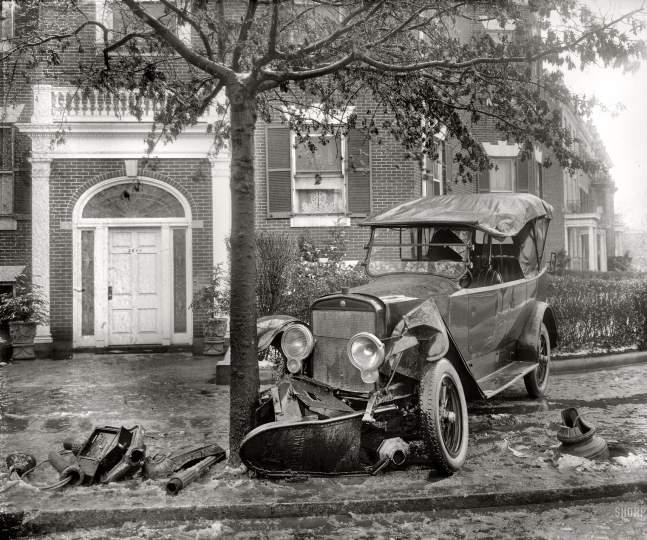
(244, 364)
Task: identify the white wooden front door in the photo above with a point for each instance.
(134, 286)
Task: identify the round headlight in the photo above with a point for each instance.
(297, 342)
(366, 351)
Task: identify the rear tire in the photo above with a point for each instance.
(443, 416)
(537, 380)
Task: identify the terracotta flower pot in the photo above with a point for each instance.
(214, 336)
(22, 339)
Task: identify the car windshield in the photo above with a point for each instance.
(438, 250)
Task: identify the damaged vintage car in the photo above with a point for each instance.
(454, 311)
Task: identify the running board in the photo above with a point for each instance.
(504, 377)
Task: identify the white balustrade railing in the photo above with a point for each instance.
(55, 104)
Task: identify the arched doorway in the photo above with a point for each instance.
(132, 265)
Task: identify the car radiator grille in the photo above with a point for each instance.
(332, 330)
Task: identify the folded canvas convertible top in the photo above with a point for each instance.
(500, 214)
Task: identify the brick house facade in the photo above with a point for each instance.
(119, 244)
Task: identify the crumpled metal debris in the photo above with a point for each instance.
(579, 438)
(111, 453)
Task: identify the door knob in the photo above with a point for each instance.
(109, 292)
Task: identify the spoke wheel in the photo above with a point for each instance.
(443, 415)
(537, 381)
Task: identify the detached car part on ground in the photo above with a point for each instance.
(111, 454)
(454, 311)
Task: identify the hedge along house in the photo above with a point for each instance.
(117, 243)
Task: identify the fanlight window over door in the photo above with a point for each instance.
(133, 201)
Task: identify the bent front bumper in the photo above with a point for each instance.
(313, 432)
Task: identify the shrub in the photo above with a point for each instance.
(311, 280)
(620, 263)
(276, 257)
(594, 312)
(214, 297)
(25, 304)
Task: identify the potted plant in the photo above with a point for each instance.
(213, 298)
(23, 310)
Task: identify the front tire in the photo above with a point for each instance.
(443, 416)
(537, 380)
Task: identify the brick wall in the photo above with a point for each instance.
(70, 178)
(554, 194)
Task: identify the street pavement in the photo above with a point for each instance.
(512, 457)
(624, 518)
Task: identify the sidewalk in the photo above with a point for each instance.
(175, 398)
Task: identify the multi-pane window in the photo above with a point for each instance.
(321, 188)
(433, 173)
(318, 176)
(6, 23)
(123, 22)
(6, 169)
(502, 175)
(120, 20)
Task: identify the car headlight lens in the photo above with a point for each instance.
(366, 352)
(297, 343)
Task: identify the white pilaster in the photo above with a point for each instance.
(603, 250)
(221, 206)
(593, 250)
(40, 169)
(42, 113)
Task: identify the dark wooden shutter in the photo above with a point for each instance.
(279, 173)
(532, 176)
(6, 193)
(358, 173)
(523, 174)
(484, 180)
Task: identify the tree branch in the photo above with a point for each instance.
(184, 15)
(214, 68)
(244, 32)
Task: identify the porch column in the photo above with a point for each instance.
(603, 251)
(40, 169)
(221, 207)
(593, 249)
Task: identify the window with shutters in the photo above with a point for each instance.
(503, 174)
(323, 181)
(6, 170)
(433, 173)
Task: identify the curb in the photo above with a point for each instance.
(47, 521)
(598, 362)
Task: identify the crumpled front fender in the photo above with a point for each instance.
(424, 326)
(270, 326)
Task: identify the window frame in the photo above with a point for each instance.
(428, 166)
(11, 172)
(7, 9)
(513, 174)
(105, 15)
(319, 219)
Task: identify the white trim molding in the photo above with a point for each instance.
(101, 227)
(501, 149)
(40, 171)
